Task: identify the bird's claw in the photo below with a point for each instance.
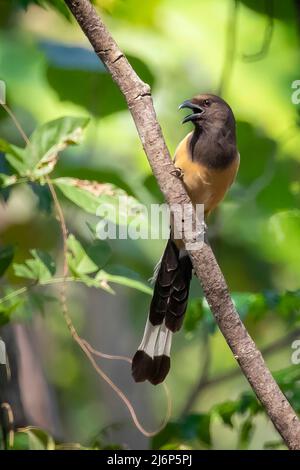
(178, 173)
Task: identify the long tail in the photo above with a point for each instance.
(152, 359)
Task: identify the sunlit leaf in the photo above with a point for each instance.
(246, 433)
(15, 156)
(57, 5)
(226, 411)
(88, 195)
(282, 238)
(100, 252)
(9, 307)
(105, 200)
(38, 439)
(7, 180)
(78, 260)
(196, 426)
(40, 155)
(44, 198)
(191, 427)
(86, 264)
(104, 276)
(131, 12)
(77, 75)
(41, 268)
(51, 138)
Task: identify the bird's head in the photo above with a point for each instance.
(208, 109)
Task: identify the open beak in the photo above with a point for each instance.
(196, 114)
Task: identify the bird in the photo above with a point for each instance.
(207, 160)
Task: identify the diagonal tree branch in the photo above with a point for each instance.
(138, 97)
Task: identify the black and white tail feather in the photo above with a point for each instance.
(168, 306)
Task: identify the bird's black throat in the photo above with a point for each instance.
(213, 147)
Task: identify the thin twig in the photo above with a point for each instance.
(16, 122)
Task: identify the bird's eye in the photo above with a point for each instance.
(206, 103)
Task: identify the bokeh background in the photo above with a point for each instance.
(248, 52)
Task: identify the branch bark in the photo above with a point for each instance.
(139, 100)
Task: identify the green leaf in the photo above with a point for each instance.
(57, 5)
(288, 306)
(15, 156)
(21, 441)
(192, 427)
(86, 195)
(99, 252)
(38, 439)
(105, 200)
(40, 155)
(169, 436)
(43, 195)
(197, 426)
(6, 257)
(41, 268)
(84, 262)
(194, 315)
(9, 307)
(172, 446)
(248, 403)
(78, 260)
(246, 433)
(7, 180)
(51, 138)
(226, 411)
(132, 282)
(289, 381)
(78, 76)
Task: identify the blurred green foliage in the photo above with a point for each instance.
(194, 430)
(179, 48)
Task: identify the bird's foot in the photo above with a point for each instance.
(178, 173)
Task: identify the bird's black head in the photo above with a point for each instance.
(208, 109)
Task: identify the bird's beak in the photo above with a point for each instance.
(197, 111)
